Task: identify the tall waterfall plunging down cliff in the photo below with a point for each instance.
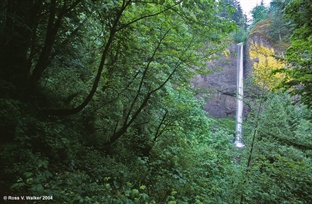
(239, 100)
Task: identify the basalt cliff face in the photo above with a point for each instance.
(221, 83)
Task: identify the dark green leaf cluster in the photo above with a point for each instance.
(259, 13)
(280, 29)
(97, 104)
(236, 14)
(278, 153)
(96, 107)
(298, 79)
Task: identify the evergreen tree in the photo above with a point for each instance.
(277, 162)
(298, 56)
(280, 29)
(259, 13)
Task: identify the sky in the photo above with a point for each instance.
(248, 5)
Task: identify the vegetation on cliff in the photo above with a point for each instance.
(273, 143)
(286, 24)
(263, 67)
(298, 72)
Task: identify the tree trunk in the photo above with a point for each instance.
(79, 108)
(54, 24)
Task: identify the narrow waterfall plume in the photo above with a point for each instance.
(239, 101)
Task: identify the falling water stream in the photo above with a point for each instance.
(239, 99)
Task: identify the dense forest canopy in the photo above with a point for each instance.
(96, 104)
(298, 79)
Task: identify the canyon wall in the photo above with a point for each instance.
(221, 83)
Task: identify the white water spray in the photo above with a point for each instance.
(239, 101)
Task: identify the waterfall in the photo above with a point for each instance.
(239, 100)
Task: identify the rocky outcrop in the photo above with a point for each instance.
(258, 36)
(220, 84)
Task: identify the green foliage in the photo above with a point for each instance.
(280, 29)
(298, 56)
(97, 107)
(240, 36)
(236, 14)
(61, 165)
(226, 123)
(259, 13)
(118, 72)
(277, 161)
